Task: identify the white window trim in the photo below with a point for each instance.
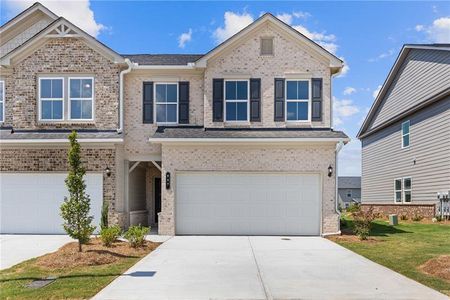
(407, 134)
(402, 190)
(3, 101)
(155, 111)
(309, 101)
(236, 101)
(69, 117)
(52, 99)
(406, 190)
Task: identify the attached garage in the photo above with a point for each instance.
(237, 203)
(30, 202)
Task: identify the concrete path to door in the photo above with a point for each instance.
(15, 248)
(213, 267)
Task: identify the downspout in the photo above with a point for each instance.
(121, 95)
(338, 148)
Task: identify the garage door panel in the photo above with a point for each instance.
(30, 202)
(247, 203)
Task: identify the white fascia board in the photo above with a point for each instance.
(248, 140)
(163, 67)
(60, 141)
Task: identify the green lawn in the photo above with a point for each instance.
(405, 247)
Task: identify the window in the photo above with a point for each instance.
(2, 101)
(405, 134)
(349, 193)
(81, 99)
(236, 100)
(51, 98)
(267, 46)
(166, 97)
(403, 190)
(298, 100)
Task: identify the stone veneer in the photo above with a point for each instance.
(409, 210)
(55, 160)
(67, 56)
(308, 158)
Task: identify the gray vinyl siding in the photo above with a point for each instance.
(383, 158)
(423, 74)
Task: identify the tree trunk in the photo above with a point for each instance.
(79, 246)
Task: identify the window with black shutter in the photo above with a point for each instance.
(147, 105)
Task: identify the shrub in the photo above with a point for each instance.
(439, 218)
(136, 235)
(109, 235)
(403, 217)
(354, 207)
(362, 222)
(417, 218)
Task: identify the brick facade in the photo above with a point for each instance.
(408, 210)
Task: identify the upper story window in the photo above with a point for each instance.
(403, 190)
(2, 101)
(405, 134)
(236, 100)
(51, 99)
(267, 46)
(81, 98)
(298, 100)
(166, 99)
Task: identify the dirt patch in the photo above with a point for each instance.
(352, 239)
(94, 253)
(438, 267)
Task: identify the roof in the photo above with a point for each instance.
(9, 135)
(388, 82)
(198, 132)
(349, 182)
(36, 6)
(163, 59)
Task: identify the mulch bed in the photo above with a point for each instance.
(352, 238)
(438, 267)
(94, 254)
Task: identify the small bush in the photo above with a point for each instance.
(362, 222)
(417, 218)
(403, 217)
(439, 218)
(354, 207)
(136, 235)
(109, 235)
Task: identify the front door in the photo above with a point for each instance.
(157, 198)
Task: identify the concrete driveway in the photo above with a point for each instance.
(15, 248)
(201, 267)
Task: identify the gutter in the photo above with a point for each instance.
(60, 141)
(121, 105)
(246, 140)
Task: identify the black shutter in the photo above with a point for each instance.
(279, 99)
(147, 105)
(217, 100)
(316, 99)
(255, 100)
(183, 102)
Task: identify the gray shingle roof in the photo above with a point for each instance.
(201, 132)
(5, 134)
(163, 59)
(349, 182)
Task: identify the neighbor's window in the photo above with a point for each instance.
(349, 193)
(267, 46)
(166, 98)
(51, 98)
(297, 100)
(403, 190)
(236, 100)
(407, 189)
(398, 190)
(2, 101)
(81, 98)
(405, 134)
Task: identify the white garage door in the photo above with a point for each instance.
(247, 204)
(30, 202)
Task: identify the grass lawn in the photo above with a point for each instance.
(404, 248)
(78, 282)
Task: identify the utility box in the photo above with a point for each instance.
(393, 220)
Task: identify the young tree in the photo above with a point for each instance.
(75, 209)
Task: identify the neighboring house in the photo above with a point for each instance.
(349, 190)
(405, 136)
(235, 141)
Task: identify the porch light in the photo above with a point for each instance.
(167, 180)
(108, 171)
(330, 171)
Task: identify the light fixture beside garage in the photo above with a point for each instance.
(330, 171)
(167, 180)
(108, 171)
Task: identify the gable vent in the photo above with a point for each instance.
(267, 46)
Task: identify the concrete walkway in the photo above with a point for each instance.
(15, 248)
(200, 267)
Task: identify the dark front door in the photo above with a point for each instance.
(157, 198)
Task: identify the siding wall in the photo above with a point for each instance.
(383, 159)
(423, 73)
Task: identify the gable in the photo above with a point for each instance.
(417, 77)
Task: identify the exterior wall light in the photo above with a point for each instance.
(108, 171)
(167, 180)
(330, 171)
